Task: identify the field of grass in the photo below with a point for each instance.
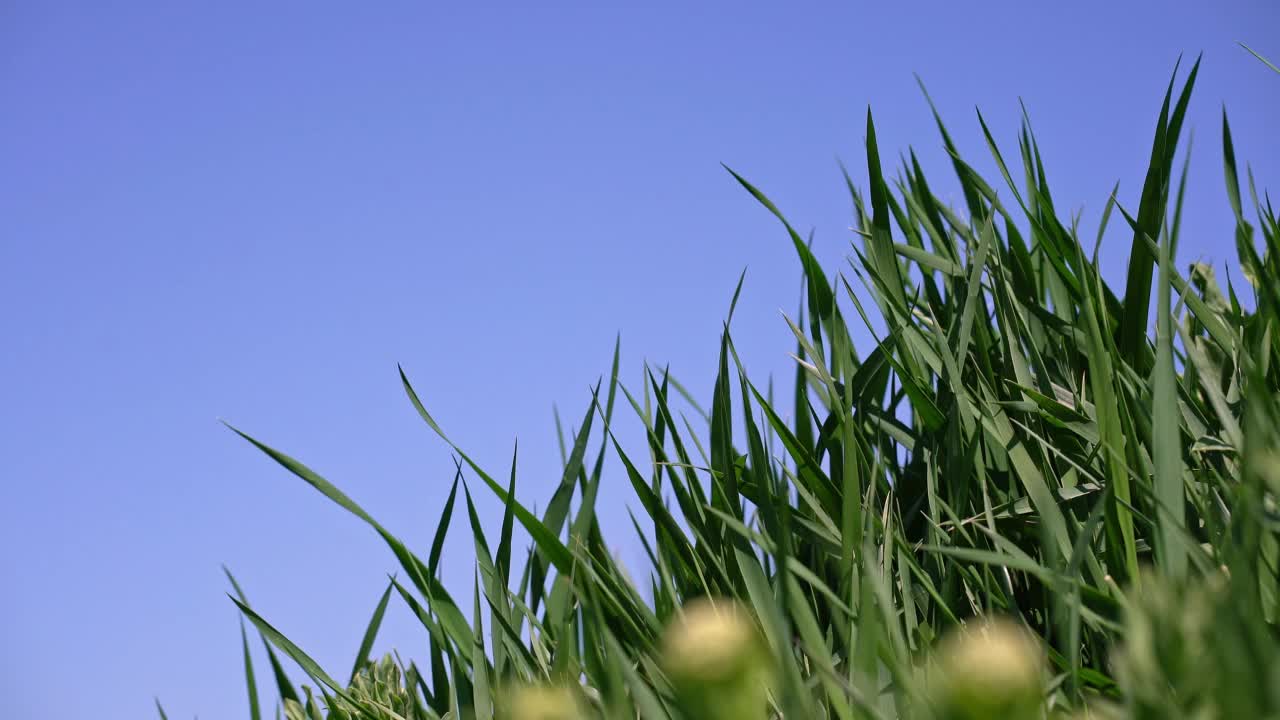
(1018, 503)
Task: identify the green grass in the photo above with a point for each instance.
(1014, 443)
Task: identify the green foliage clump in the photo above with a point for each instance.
(1015, 444)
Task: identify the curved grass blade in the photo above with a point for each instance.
(451, 617)
(295, 653)
(371, 633)
(1265, 61)
(442, 528)
(284, 686)
(546, 540)
(251, 683)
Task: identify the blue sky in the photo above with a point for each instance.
(253, 211)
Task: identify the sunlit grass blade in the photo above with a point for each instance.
(1265, 61)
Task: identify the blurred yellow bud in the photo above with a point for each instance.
(709, 641)
(716, 661)
(543, 702)
(994, 668)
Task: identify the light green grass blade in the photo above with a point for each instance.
(1265, 61)
(1166, 439)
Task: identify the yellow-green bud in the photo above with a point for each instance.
(716, 661)
(992, 669)
(543, 702)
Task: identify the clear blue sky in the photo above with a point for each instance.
(255, 210)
